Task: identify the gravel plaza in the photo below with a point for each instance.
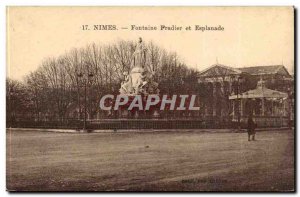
(190, 160)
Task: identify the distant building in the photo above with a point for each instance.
(219, 82)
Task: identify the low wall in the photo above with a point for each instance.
(208, 123)
(147, 124)
(267, 121)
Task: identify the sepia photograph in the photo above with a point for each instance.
(150, 99)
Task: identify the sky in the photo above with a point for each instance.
(252, 36)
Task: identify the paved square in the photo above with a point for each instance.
(160, 161)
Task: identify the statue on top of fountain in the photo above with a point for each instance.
(140, 79)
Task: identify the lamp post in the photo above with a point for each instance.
(86, 78)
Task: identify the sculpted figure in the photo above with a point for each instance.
(126, 86)
(139, 55)
(139, 80)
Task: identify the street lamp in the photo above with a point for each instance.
(86, 78)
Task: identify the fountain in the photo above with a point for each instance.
(139, 81)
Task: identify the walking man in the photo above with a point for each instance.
(251, 128)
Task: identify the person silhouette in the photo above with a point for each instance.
(251, 128)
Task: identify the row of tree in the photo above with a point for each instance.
(58, 83)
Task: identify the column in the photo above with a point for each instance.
(78, 114)
(242, 107)
(214, 99)
(284, 107)
(223, 99)
(262, 106)
(233, 108)
(254, 106)
(272, 109)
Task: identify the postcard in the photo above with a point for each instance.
(150, 99)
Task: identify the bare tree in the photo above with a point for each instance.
(55, 86)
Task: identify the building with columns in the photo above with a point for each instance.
(268, 107)
(219, 84)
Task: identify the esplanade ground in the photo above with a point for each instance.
(168, 160)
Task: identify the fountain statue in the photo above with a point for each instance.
(140, 79)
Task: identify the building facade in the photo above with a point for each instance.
(222, 82)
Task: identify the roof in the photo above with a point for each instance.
(260, 92)
(262, 70)
(254, 70)
(229, 70)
